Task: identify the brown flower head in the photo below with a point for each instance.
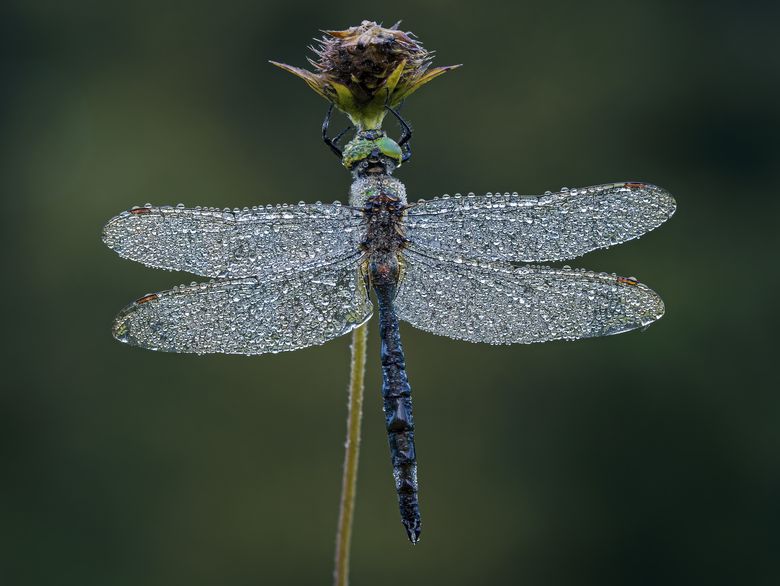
(365, 67)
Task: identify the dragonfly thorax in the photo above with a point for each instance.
(368, 187)
(372, 152)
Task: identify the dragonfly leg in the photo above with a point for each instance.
(406, 152)
(406, 135)
(337, 138)
(332, 143)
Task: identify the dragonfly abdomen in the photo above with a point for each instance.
(397, 399)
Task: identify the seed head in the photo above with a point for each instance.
(365, 67)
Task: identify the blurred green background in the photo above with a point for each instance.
(637, 459)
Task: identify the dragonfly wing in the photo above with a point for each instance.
(550, 227)
(252, 315)
(234, 244)
(502, 304)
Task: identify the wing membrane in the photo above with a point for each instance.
(554, 226)
(501, 304)
(250, 315)
(234, 244)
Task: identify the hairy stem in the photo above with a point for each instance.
(351, 453)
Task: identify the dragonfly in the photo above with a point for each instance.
(289, 276)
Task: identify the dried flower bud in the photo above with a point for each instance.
(365, 67)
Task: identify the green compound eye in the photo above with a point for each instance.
(389, 148)
(357, 149)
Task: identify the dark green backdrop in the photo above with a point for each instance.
(638, 459)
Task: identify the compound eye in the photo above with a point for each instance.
(390, 149)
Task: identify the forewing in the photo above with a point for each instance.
(550, 227)
(233, 244)
(502, 304)
(250, 315)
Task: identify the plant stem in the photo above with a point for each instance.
(351, 453)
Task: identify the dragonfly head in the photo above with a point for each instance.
(372, 152)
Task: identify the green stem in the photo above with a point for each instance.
(351, 453)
